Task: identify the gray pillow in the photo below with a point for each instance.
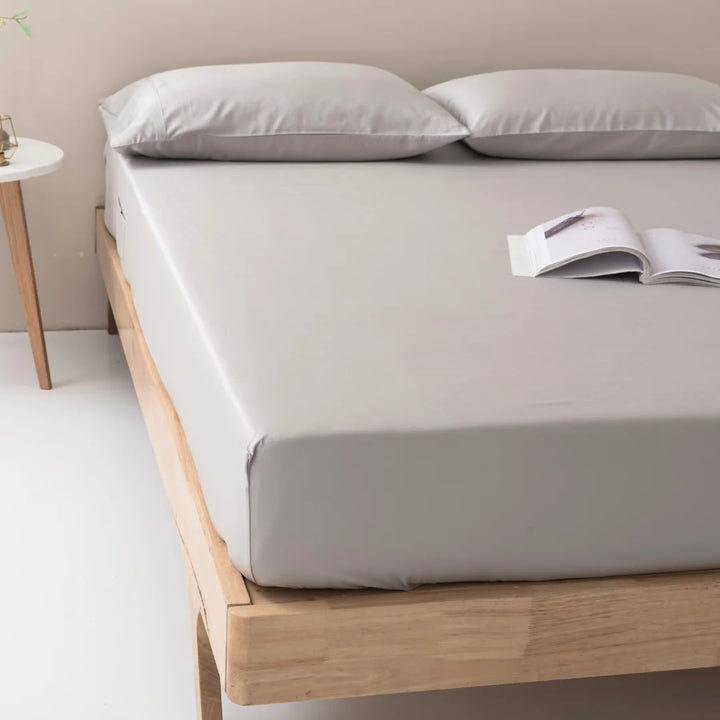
(585, 114)
(277, 111)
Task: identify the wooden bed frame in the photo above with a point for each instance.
(268, 645)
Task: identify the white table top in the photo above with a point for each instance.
(33, 158)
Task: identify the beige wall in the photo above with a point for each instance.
(84, 49)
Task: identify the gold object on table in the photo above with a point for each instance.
(8, 140)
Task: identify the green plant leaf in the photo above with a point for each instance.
(18, 18)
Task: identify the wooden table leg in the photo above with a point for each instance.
(13, 210)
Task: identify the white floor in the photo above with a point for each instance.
(93, 611)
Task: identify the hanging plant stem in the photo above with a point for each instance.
(20, 19)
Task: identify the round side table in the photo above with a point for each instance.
(33, 158)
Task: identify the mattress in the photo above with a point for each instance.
(373, 400)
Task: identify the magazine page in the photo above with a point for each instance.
(587, 233)
(677, 256)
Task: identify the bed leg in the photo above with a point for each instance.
(207, 680)
(111, 324)
(208, 689)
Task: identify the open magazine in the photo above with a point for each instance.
(601, 241)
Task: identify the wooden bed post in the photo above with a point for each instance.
(207, 680)
(208, 689)
(111, 324)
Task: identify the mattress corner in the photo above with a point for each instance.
(252, 449)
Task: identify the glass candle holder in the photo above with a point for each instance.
(8, 140)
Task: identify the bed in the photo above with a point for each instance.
(362, 419)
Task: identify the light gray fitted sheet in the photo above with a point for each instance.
(373, 400)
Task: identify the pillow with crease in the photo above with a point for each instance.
(304, 111)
